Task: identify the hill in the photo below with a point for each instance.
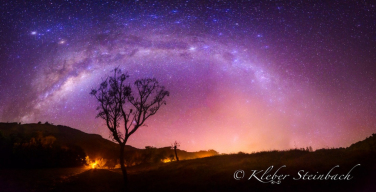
(214, 173)
(95, 146)
(303, 170)
(369, 144)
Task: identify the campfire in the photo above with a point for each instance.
(96, 164)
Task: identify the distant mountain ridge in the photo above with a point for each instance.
(94, 145)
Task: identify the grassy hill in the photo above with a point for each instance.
(369, 144)
(95, 146)
(214, 173)
(217, 173)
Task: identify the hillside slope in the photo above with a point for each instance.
(368, 144)
(95, 146)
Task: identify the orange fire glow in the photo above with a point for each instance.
(166, 160)
(94, 165)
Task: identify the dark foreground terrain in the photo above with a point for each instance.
(210, 174)
(216, 173)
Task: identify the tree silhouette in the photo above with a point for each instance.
(118, 103)
(174, 146)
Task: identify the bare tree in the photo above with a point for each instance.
(119, 104)
(174, 146)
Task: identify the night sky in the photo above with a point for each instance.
(242, 76)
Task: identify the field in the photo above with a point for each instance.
(208, 174)
(35, 179)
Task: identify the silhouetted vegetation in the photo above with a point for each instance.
(38, 151)
(216, 173)
(175, 146)
(205, 174)
(95, 146)
(150, 155)
(153, 155)
(369, 144)
(119, 104)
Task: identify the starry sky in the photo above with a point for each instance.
(242, 75)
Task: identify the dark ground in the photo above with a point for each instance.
(207, 174)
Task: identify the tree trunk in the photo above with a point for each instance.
(123, 168)
(176, 154)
